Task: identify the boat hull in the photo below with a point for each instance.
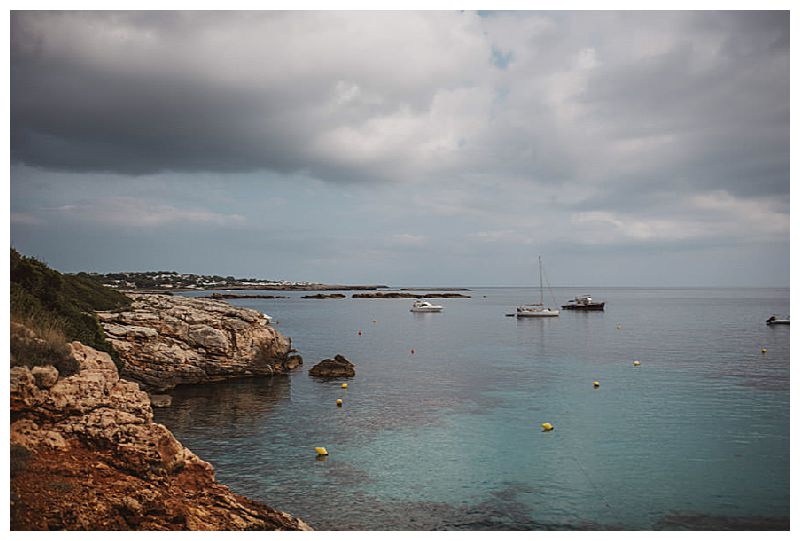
(433, 309)
(600, 306)
(542, 313)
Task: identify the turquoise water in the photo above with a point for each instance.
(449, 437)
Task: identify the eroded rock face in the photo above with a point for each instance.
(338, 367)
(86, 454)
(171, 340)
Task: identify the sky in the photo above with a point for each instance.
(439, 148)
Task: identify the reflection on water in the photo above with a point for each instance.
(233, 409)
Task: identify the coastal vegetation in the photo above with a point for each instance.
(57, 309)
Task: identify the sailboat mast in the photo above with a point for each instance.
(541, 290)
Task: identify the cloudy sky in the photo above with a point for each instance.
(405, 148)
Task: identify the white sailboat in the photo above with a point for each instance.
(537, 310)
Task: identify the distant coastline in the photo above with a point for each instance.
(161, 281)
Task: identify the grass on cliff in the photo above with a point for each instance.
(37, 343)
(58, 308)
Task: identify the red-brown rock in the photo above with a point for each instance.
(86, 455)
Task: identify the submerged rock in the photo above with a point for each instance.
(160, 400)
(167, 341)
(338, 367)
(86, 455)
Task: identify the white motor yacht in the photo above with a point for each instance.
(425, 306)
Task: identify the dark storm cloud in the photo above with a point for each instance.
(698, 100)
(192, 91)
(137, 111)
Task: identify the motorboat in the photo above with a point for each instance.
(583, 302)
(425, 306)
(773, 320)
(537, 309)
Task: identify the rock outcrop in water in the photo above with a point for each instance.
(166, 341)
(86, 455)
(338, 367)
(403, 295)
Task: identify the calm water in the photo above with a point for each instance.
(449, 437)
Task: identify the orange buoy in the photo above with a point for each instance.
(359, 332)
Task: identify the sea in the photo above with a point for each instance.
(441, 428)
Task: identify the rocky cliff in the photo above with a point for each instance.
(86, 454)
(165, 341)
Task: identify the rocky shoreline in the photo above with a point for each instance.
(86, 455)
(164, 341)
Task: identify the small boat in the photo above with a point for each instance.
(539, 309)
(583, 302)
(535, 310)
(425, 306)
(268, 317)
(773, 320)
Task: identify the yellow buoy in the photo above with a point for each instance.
(339, 402)
(547, 427)
(344, 386)
(321, 451)
(636, 363)
(763, 350)
(596, 384)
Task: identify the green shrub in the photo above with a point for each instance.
(43, 298)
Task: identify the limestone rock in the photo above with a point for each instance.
(337, 367)
(293, 361)
(86, 455)
(45, 376)
(166, 341)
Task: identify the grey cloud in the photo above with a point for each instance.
(399, 96)
(221, 91)
(622, 127)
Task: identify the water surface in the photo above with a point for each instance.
(449, 437)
